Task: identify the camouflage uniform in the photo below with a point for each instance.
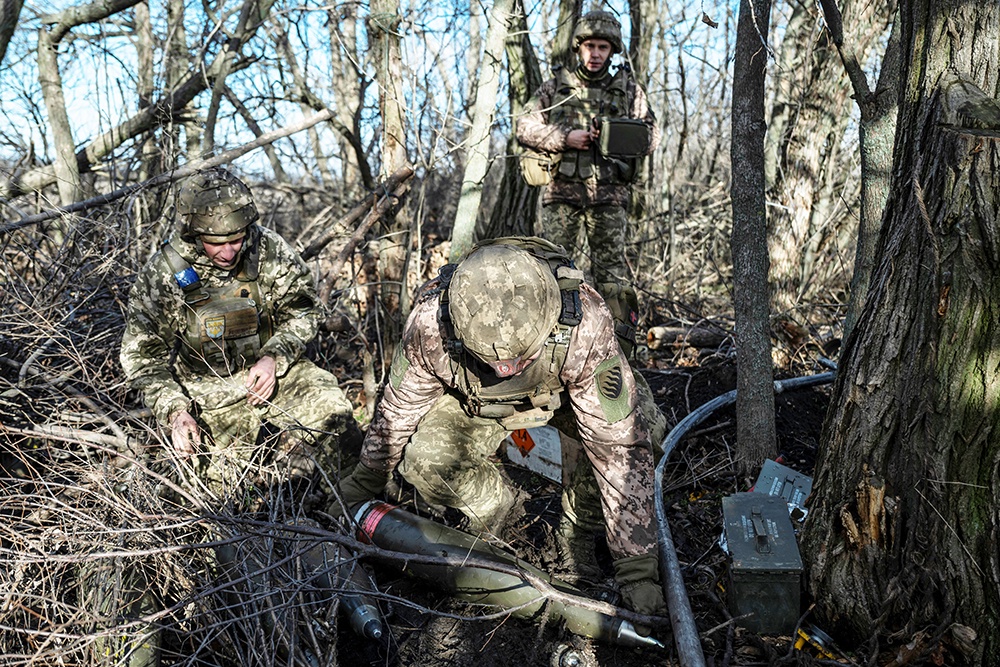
(307, 404)
(427, 421)
(586, 191)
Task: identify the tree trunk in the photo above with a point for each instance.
(393, 247)
(346, 82)
(878, 128)
(516, 210)
(562, 46)
(66, 172)
(755, 431)
(902, 536)
(10, 11)
(478, 141)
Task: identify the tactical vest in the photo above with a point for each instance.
(577, 105)
(227, 325)
(530, 397)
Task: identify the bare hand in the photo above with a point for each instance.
(579, 139)
(184, 433)
(261, 381)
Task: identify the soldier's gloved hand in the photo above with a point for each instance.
(361, 485)
(639, 579)
(184, 432)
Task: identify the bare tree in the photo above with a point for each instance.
(478, 160)
(755, 388)
(878, 127)
(902, 536)
(807, 162)
(516, 209)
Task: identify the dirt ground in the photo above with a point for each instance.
(698, 474)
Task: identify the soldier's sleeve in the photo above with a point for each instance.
(148, 341)
(414, 385)
(533, 127)
(292, 300)
(640, 109)
(605, 401)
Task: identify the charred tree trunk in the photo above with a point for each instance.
(902, 537)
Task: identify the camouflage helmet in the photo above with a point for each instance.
(598, 25)
(215, 206)
(503, 303)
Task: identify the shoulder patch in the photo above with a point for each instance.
(610, 380)
(400, 364)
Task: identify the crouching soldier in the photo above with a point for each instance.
(511, 338)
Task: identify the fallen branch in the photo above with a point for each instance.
(388, 201)
(169, 176)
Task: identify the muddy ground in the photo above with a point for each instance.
(699, 473)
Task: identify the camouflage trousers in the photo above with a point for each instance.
(447, 459)
(284, 438)
(604, 226)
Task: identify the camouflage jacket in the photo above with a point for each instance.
(535, 131)
(156, 321)
(602, 395)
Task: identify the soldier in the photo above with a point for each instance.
(217, 324)
(591, 174)
(512, 338)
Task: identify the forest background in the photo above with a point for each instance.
(377, 138)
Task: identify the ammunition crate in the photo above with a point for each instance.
(781, 481)
(765, 568)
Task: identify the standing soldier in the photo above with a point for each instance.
(217, 324)
(511, 338)
(596, 126)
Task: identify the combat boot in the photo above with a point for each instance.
(577, 555)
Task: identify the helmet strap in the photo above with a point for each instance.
(250, 253)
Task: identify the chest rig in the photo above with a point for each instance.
(577, 106)
(530, 397)
(225, 325)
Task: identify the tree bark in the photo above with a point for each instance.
(478, 141)
(393, 246)
(10, 11)
(347, 82)
(755, 432)
(516, 210)
(902, 536)
(562, 52)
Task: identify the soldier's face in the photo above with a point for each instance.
(223, 255)
(594, 53)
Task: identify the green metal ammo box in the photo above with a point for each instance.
(778, 480)
(765, 567)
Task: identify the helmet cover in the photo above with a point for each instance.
(598, 25)
(503, 303)
(215, 206)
